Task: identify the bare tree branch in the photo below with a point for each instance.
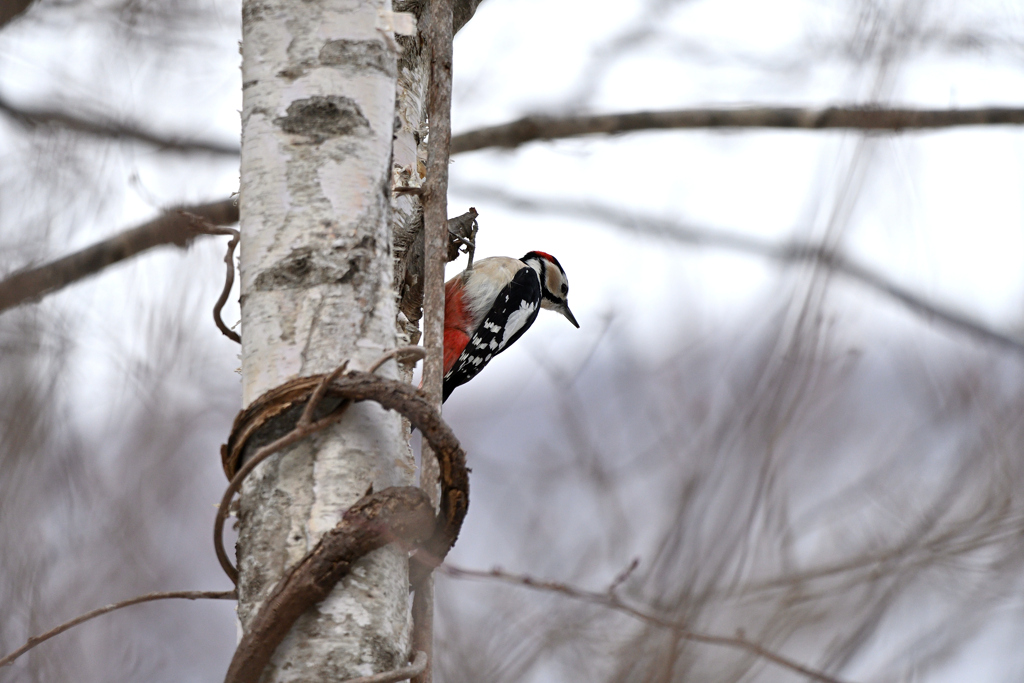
(32, 284)
(111, 129)
(438, 38)
(149, 597)
(173, 227)
(532, 128)
(787, 252)
(11, 9)
(462, 12)
(611, 600)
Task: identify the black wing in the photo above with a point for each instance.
(514, 310)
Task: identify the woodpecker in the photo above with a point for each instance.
(487, 308)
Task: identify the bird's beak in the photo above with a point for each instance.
(564, 310)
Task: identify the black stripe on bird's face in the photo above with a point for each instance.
(554, 283)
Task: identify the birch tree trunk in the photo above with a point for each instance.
(316, 281)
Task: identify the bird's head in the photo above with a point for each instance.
(553, 282)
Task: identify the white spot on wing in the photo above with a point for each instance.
(517, 321)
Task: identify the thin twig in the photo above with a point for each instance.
(612, 601)
(149, 597)
(407, 352)
(875, 119)
(229, 281)
(209, 228)
(786, 252)
(419, 663)
(624, 575)
(307, 413)
(469, 243)
(471, 247)
(172, 227)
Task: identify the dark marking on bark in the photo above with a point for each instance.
(383, 654)
(359, 54)
(313, 324)
(306, 267)
(293, 73)
(319, 118)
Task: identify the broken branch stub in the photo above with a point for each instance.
(410, 265)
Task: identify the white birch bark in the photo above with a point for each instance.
(316, 281)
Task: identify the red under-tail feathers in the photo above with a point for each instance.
(458, 324)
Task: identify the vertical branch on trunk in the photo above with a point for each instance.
(435, 193)
(319, 84)
(438, 38)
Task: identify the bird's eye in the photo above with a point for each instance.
(565, 289)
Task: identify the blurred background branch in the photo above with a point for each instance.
(863, 118)
(610, 600)
(96, 126)
(149, 597)
(174, 227)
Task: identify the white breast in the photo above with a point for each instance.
(489, 276)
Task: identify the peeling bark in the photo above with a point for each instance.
(319, 85)
(408, 166)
